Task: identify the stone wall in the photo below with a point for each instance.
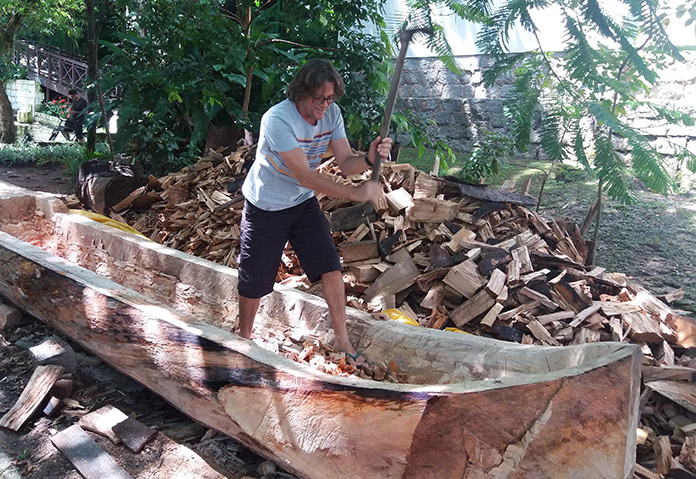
(461, 104)
(24, 94)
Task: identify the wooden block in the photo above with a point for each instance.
(513, 272)
(663, 455)
(465, 278)
(87, 456)
(496, 283)
(541, 333)
(134, 434)
(364, 273)
(360, 232)
(684, 328)
(399, 200)
(102, 422)
(521, 254)
(358, 251)
(492, 315)
(32, 396)
(479, 304)
(62, 389)
(9, 316)
(432, 210)
(454, 244)
(643, 328)
(435, 296)
(426, 186)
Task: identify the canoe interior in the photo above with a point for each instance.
(207, 291)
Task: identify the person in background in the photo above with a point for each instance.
(76, 116)
(280, 203)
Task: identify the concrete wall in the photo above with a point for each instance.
(462, 104)
(24, 93)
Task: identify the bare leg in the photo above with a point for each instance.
(335, 296)
(247, 314)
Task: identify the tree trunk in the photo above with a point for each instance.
(8, 129)
(92, 67)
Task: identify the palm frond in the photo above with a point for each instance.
(581, 59)
(551, 141)
(580, 154)
(611, 171)
(649, 166)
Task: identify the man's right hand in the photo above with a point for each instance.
(368, 191)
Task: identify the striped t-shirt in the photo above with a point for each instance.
(270, 185)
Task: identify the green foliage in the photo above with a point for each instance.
(184, 65)
(590, 79)
(492, 149)
(11, 71)
(70, 155)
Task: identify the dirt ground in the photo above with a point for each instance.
(181, 449)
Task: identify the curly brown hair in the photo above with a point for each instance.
(311, 76)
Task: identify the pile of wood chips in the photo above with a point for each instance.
(453, 255)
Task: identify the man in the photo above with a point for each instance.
(279, 190)
(76, 116)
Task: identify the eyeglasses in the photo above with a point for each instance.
(320, 100)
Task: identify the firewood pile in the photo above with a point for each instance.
(455, 256)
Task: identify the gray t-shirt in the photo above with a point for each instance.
(270, 185)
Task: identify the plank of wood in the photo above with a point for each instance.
(102, 422)
(351, 217)
(358, 251)
(395, 279)
(40, 383)
(134, 434)
(668, 373)
(681, 393)
(465, 278)
(90, 459)
(584, 314)
(557, 316)
(523, 308)
(479, 304)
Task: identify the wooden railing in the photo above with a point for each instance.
(52, 67)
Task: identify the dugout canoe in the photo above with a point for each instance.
(474, 408)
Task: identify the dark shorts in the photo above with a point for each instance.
(75, 125)
(263, 238)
